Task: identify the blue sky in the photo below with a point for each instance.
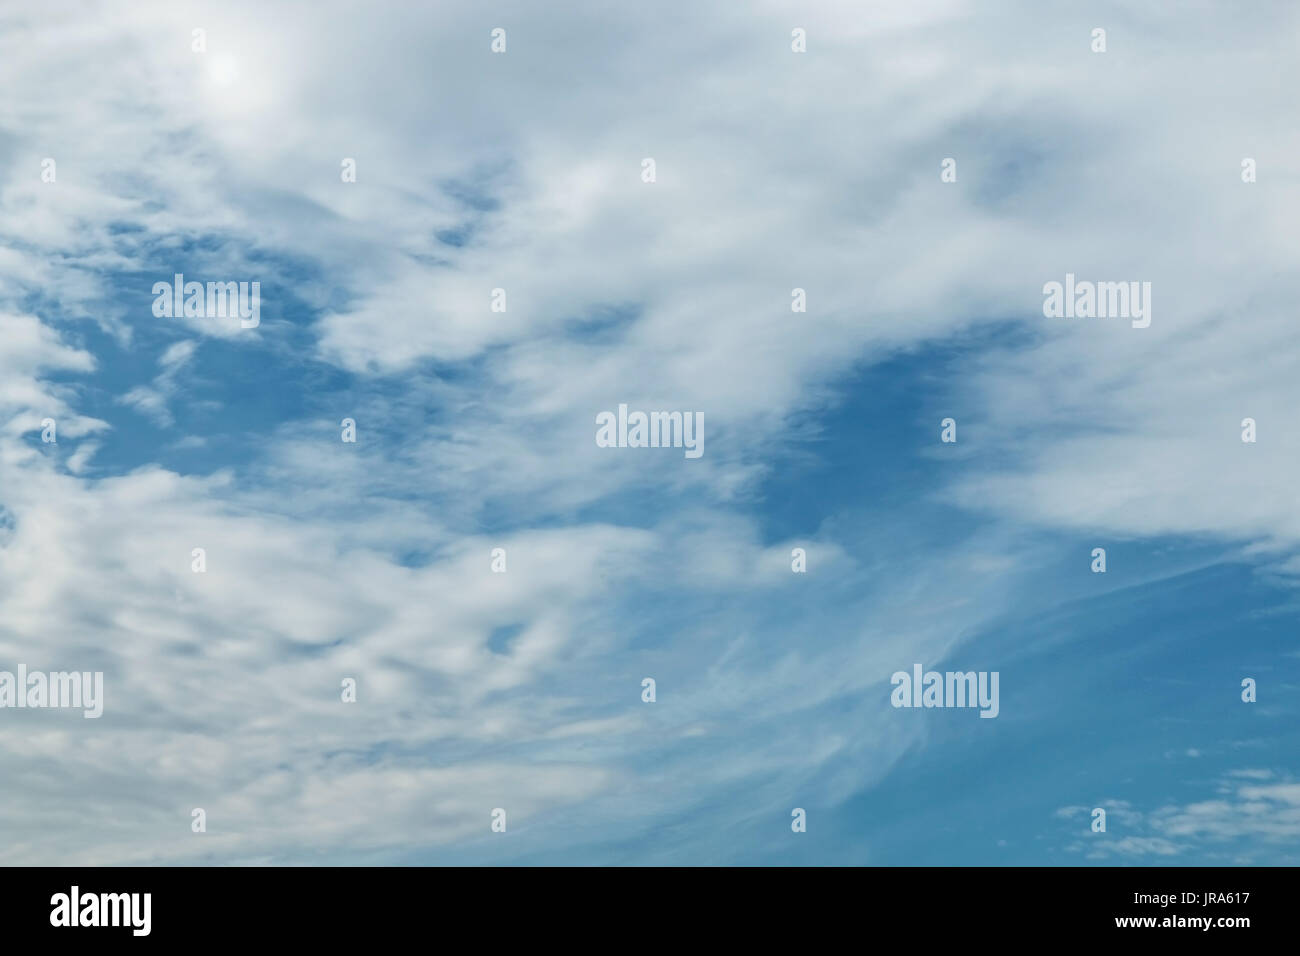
(775, 170)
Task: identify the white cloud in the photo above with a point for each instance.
(775, 171)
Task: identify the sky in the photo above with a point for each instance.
(133, 148)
